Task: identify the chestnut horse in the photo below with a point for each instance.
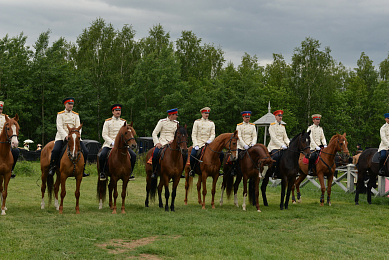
(210, 165)
(171, 167)
(71, 165)
(254, 161)
(368, 169)
(288, 167)
(325, 167)
(8, 139)
(119, 165)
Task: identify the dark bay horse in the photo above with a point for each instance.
(71, 165)
(171, 167)
(119, 166)
(8, 139)
(288, 167)
(325, 167)
(367, 169)
(210, 165)
(254, 162)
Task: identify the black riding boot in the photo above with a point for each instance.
(381, 168)
(102, 175)
(154, 174)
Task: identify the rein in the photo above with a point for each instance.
(7, 136)
(229, 147)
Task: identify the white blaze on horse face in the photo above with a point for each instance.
(14, 139)
(74, 145)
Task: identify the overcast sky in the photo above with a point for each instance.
(348, 27)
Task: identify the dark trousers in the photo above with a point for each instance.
(103, 158)
(57, 151)
(15, 154)
(193, 157)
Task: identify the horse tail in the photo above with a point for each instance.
(101, 190)
(153, 188)
(229, 184)
(252, 191)
(50, 186)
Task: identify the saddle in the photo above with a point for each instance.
(63, 150)
(376, 157)
(306, 160)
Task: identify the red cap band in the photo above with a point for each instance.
(69, 100)
(117, 107)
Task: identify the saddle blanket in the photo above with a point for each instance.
(306, 160)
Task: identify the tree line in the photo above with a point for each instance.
(154, 74)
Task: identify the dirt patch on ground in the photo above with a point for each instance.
(119, 246)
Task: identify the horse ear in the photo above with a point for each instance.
(131, 123)
(16, 118)
(185, 126)
(236, 132)
(125, 123)
(68, 127)
(344, 134)
(78, 128)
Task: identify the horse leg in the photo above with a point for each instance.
(244, 192)
(110, 190)
(199, 189)
(124, 189)
(63, 192)
(115, 194)
(174, 191)
(43, 190)
(236, 186)
(160, 186)
(265, 181)
(222, 192)
(329, 186)
(204, 181)
(167, 195)
(290, 185)
(283, 188)
(360, 184)
(5, 193)
(56, 191)
(257, 180)
(297, 184)
(77, 193)
(213, 191)
(323, 188)
(370, 184)
(148, 187)
(187, 181)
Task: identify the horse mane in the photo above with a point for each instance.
(295, 137)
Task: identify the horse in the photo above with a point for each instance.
(119, 164)
(367, 169)
(210, 165)
(171, 167)
(8, 139)
(288, 167)
(71, 165)
(253, 163)
(325, 167)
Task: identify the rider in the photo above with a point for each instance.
(166, 129)
(247, 134)
(15, 151)
(384, 145)
(111, 128)
(278, 138)
(65, 118)
(203, 132)
(317, 139)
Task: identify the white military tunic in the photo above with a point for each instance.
(384, 133)
(247, 134)
(278, 136)
(317, 136)
(202, 131)
(66, 118)
(2, 121)
(166, 129)
(111, 129)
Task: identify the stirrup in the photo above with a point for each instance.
(153, 175)
(191, 173)
(102, 176)
(52, 170)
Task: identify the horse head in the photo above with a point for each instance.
(232, 146)
(181, 137)
(303, 143)
(342, 147)
(74, 136)
(127, 135)
(11, 128)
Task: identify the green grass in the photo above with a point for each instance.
(304, 231)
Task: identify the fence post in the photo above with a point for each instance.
(350, 178)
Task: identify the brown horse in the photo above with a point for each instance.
(71, 165)
(325, 167)
(119, 164)
(254, 161)
(210, 165)
(171, 166)
(8, 139)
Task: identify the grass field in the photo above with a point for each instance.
(304, 231)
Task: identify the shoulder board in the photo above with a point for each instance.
(210, 121)
(74, 112)
(240, 124)
(272, 123)
(108, 119)
(252, 124)
(122, 119)
(198, 119)
(175, 121)
(61, 112)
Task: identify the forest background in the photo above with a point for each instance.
(153, 74)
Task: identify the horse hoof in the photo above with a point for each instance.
(244, 208)
(321, 204)
(356, 203)
(259, 210)
(294, 202)
(42, 206)
(123, 211)
(114, 212)
(3, 213)
(299, 201)
(329, 204)
(100, 207)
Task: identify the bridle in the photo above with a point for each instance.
(76, 158)
(179, 141)
(229, 151)
(125, 141)
(9, 137)
(302, 151)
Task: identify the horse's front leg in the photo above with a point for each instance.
(244, 192)
(148, 187)
(265, 181)
(110, 191)
(77, 193)
(291, 181)
(257, 180)
(323, 187)
(5, 193)
(176, 181)
(63, 192)
(329, 186)
(167, 193)
(298, 182)
(199, 189)
(43, 189)
(236, 187)
(283, 188)
(124, 189)
(213, 191)
(56, 190)
(115, 194)
(370, 185)
(204, 181)
(187, 180)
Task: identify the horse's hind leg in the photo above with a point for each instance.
(199, 190)
(124, 188)
(110, 190)
(56, 191)
(265, 181)
(43, 190)
(77, 193)
(236, 186)
(148, 187)
(115, 195)
(63, 193)
(160, 186)
(213, 191)
(329, 186)
(244, 192)
(290, 185)
(370, 185)
(323, 188)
